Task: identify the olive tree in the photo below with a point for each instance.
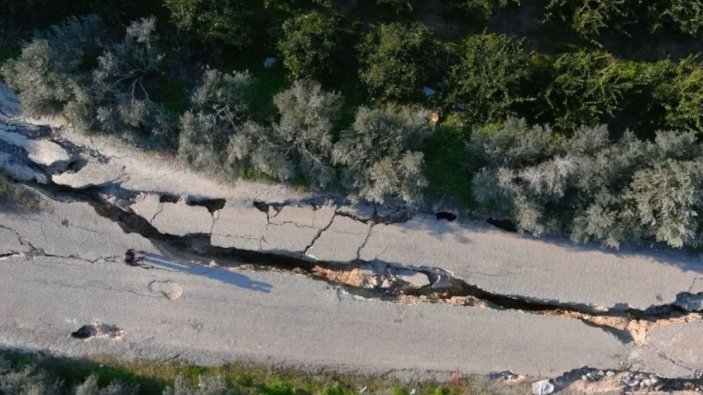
(308, 43)
(380, 155)
(681, 93)
(52, 66)
(669, 200)
(487, 79)
(217, 22)
(482, 9)
(219, 107)
(397, 59)
(590, 18)
(307, 116)
(586, 87)
(683, 16)
(123, 85)
(399, 6)
(593, 187)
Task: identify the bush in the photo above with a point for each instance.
(123, 85)
(308, 43)
(217, 22)
(590, 18)
(252, 148)
(482, 9)
(668, 200)
(687, 16)
(594, 188)
(380, 155)
(587, 87)
(53, 66)
(486, 81)
(681, 94)
(307, 116)
(219, 108)
(397, 60)
(399, 6)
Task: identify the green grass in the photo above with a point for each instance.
(154, 377)
(445, 157)
(174, 95)
(268, 83)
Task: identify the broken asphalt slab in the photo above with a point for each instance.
(512, 264)
(42, 152)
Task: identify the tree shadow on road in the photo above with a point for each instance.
(215, 273)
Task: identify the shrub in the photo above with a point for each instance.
(399, 6)
(683, 16)
(219, 109)
(594, 188)
(482, 9)
(380, 156)
(307, 115)
(90, 387)
(668, 200)
(590, 18)
(217, 22)
(587, 87)
(251, 148)
(486, 81)
(54, 64)
(397, 59)
(124, 81)
(681, 94)
(308, 43)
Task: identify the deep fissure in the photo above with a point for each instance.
(442, 288)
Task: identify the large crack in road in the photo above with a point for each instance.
(378, 280)
(375, 279)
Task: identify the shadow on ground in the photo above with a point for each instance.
(215, 273)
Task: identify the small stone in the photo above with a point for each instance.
(542, 387)
(170, 290)
(98, 330)
(610, 373)
(415, 279)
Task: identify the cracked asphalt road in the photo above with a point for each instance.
(61, 268)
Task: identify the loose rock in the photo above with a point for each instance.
(41, 152)
(98, 330)
(689, 301)
(171, 290)
(415, 279)
(543, 387)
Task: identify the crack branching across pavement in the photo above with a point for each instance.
(375, 279)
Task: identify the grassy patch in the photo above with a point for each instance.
(268, 82)
(445, 157)
(154, 378)
(174, 95)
